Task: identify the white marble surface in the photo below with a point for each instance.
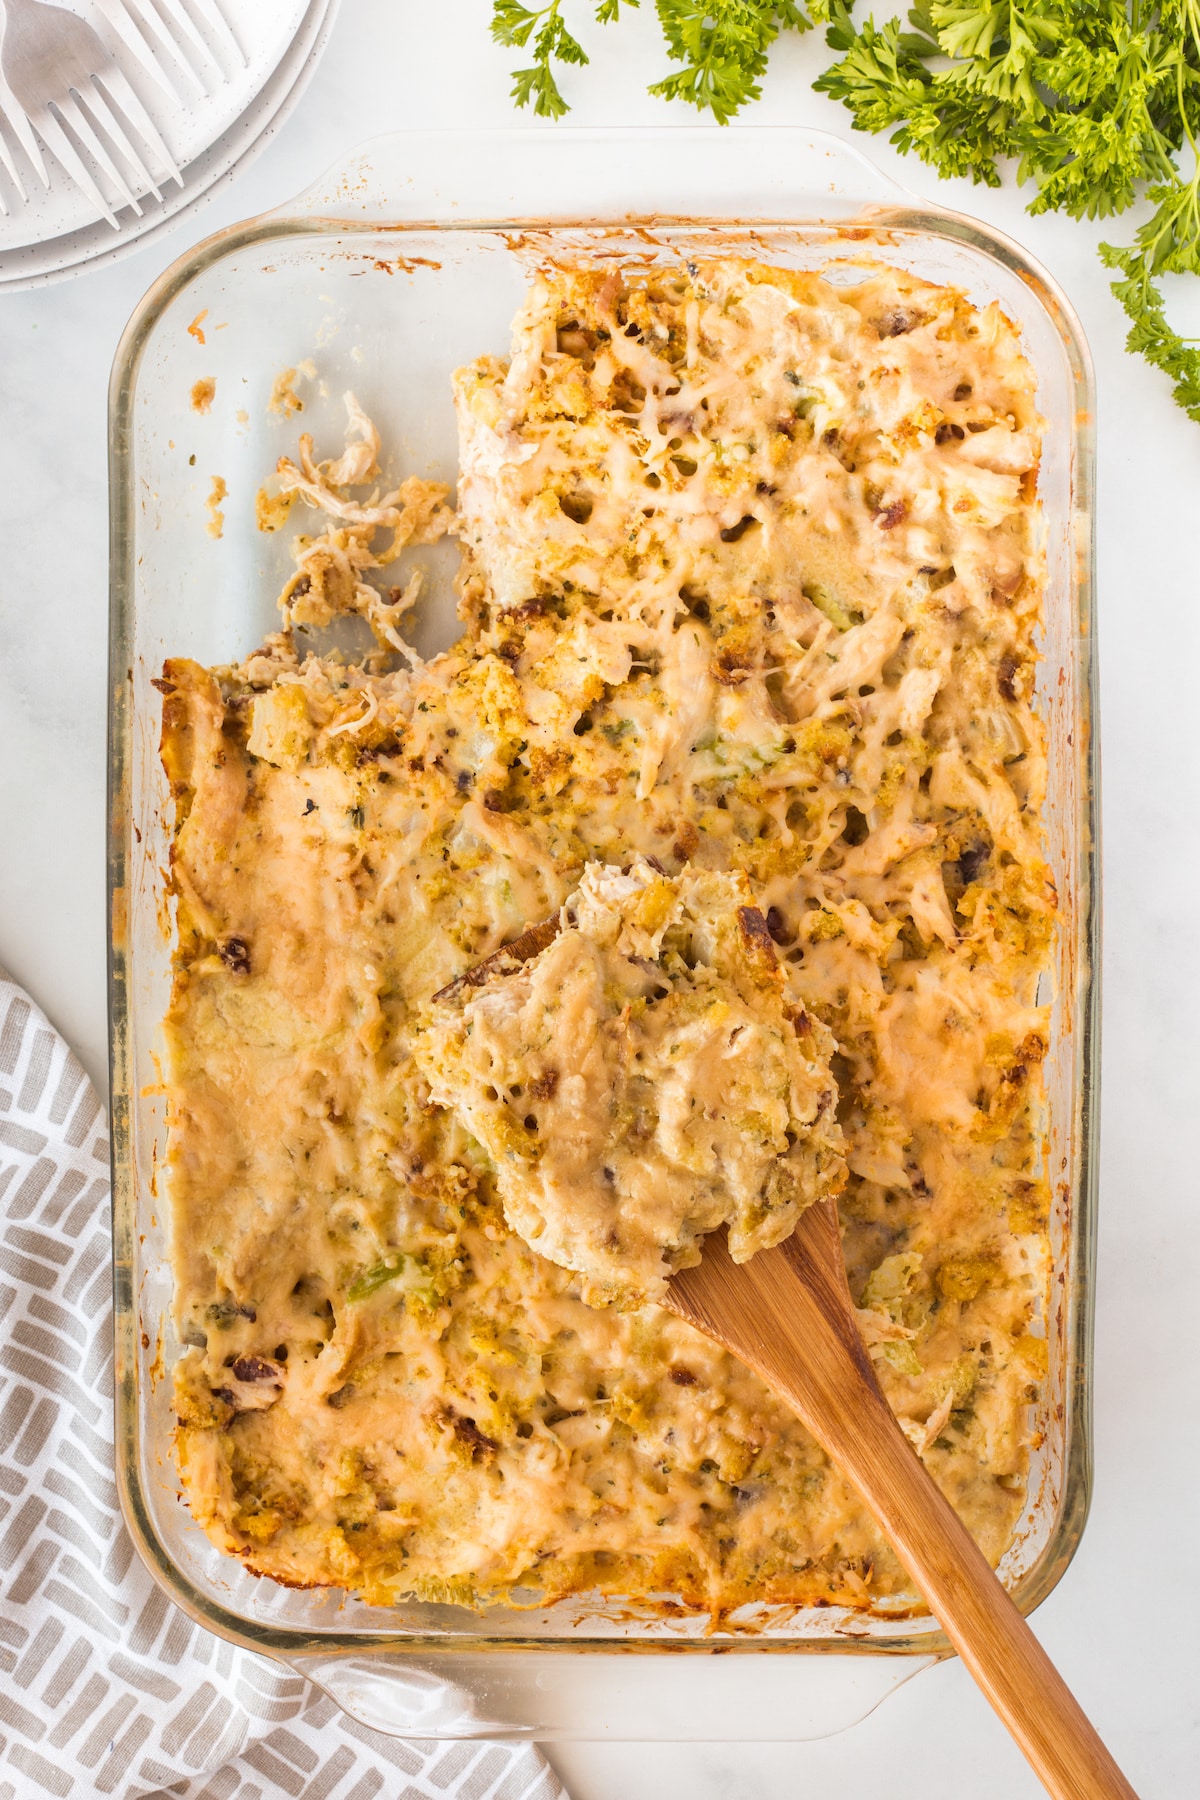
(1125, 1623)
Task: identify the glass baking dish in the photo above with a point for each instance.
(402, 264)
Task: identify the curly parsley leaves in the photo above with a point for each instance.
(723, 46)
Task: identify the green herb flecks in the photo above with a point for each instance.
(373, 1279)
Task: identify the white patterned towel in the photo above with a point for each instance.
(105, 1688)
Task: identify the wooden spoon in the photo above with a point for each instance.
(787, 1314)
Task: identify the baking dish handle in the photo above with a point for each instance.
(526, 174)
(745, 1697)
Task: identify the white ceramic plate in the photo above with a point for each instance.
(55, 232)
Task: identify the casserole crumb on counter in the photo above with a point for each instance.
(750, 584)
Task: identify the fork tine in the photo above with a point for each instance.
(148, 21)
(99, 107)
(215, 19)
(14, 112)
(73, 114)
(118, 90)
(60, 145)
(184, 25)
(10, 165)
(132, 36)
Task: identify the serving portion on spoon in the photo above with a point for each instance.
(677, 1091)
(646, 1075)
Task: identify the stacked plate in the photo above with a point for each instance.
(216, 78)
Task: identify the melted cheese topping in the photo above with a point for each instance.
(642, 1081)
(750, 586)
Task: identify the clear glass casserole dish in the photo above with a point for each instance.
(405, 263)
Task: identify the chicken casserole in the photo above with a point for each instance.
(750, 585)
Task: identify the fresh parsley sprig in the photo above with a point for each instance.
(723, 46)
(514, 25)
(1167, 244)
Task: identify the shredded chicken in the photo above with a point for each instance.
(416, 511)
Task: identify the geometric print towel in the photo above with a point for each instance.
(105, 1687)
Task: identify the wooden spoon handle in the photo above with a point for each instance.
(980, 1619)
(787, 1314)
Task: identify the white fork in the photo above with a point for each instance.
(213, 14)
(12, 116)
(126, 22)
(58, 70)
(141, 26)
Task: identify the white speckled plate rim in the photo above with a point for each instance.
(96, 244)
